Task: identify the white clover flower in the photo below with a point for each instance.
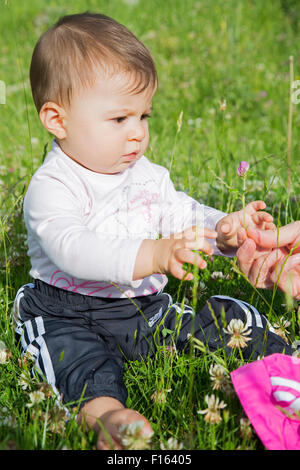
(281, 327)
(219, 275)
(296, 347)
(172, 444)
(24, 380)
(35, 398)
(4, 353)
(245, 428)
(132, 437)
(212, 412)
(218, 375)
(239, 332)
(160, 396)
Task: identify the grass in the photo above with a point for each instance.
(233, 51)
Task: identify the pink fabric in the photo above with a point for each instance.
(263, 387)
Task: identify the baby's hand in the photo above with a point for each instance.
(228, 227)
(171, 253)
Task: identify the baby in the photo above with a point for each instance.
(106, 226)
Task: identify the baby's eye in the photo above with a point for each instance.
(146, 116)
(120, 119)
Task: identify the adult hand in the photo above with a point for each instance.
(266, 267)
(287, 236)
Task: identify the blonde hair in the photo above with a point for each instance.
(67, 55)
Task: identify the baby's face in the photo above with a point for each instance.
(106, 127)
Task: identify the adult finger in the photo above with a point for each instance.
(288, 279)
(241, 236)
(245, 255)
(272, 238)
(261, 270)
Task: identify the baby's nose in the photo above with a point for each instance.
(136, 133)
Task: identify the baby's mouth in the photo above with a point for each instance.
(130, 156)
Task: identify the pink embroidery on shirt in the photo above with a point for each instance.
(146, 198)
(70, 285)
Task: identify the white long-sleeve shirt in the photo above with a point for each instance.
(85, 228)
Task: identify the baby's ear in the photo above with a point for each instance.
(52, 117)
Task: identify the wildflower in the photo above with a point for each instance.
(28, 357)
(132, 437)
(34, 140)
(237, 330)
(280, 328)
(223, 105)
(24, 380)
(172, 444)
(46, 389)
(212, 412)
(57, 419)
(296, 347)
(35, 398)
(245, 428)
(6, 418)
(4, 353)
(219, 275)
(195, 122)
(160, 396)
(242, 169)
(169, 349)
(218, 375)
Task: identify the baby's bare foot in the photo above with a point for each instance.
(123, 429)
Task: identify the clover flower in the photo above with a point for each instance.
(160, 396)
(132, 437)
(242, 169)
(4, 353)
(212, 412)
(238, 331)
(280, 328)
(245, 428)
(172, 444)
(296, 347)
(24, 380)
(219, 275)
(218, 375)
(36, 397)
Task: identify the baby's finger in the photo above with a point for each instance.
(188, 256)
(195, 232)
(225, 228)
(270, 226)
(178, 272)
(260, 217)
(255, 206)
(201, 245)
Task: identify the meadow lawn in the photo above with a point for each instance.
(224, 68)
